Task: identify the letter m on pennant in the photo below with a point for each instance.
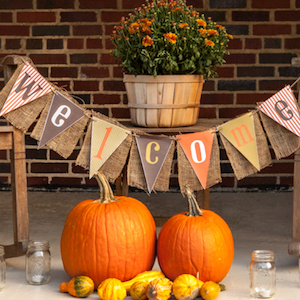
(30, 85)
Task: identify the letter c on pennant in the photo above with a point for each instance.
(58, 122)
(148, 152)
(202, 151)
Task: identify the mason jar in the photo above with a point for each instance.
(262, 274)
(38, 261)
(2, 268)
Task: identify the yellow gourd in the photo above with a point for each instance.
(111, 288)
(186, 287)
(138, 290)
(144, 276)
(159, 289)
(210, 290)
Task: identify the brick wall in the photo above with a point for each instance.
(68, 40)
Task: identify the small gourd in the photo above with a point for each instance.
(210, 290)
(159, 289)
(111, 288)
(138, 290)
(144, 276)
(186, 287)
(80, 287)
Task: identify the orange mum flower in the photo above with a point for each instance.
(229, 36)
(183, 25)
(171, 37)
(220, 26)
(147, 41)
(212, 32)
(201, 22)
(133, 28)
(209, 43)
(202, 31)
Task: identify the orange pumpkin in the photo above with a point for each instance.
(113, 237)
(197, 241)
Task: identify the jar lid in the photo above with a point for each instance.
(263, 255)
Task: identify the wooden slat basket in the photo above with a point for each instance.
(164, 100)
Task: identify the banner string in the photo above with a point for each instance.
(295, 82)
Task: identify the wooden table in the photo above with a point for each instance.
(13, 139)
(201, 125)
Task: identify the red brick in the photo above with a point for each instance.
(3, 154)
(298, 29)
(241, 58)
(235, 44)
(36, 17)
(207, 112)
(209, 85)
(66, 181)
(75, 43)
(195, 3)
(84, 58)
(133, 3)
(270, 4)
(14, 30)
(106, 99)
(94, 44)
(251, 16)
(271, 29)
(109, 29)
(87, 30)
(6, 17)
(86, 85)
(13, 44)
(113, 85)
(216, 98)
(118, 72)
(253, 43)
(274, 85)
(64, 72)
(55, 156)
(107, 59)
(91, 182)
(232, 112)
(16, 4)
(108, 44)
(63, 84)
(37, 181)
(297, 3)
(292, 43)
(120, 113)
(227, 182)
(94, 72)
(49, 167)
(287, 15)
(86, 16)
(78, 169)
(49, 58)
(258, 182)
(248, 98)
(112, 16)
(287, 181)
(51, 4)
(279, 167)
(97, 4)
(225, 72)
(4, 180)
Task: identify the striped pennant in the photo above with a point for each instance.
(30, 85)
(283, 109)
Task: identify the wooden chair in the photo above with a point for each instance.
(13, 139)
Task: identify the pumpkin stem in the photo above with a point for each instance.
(106, 193)
(194, 209)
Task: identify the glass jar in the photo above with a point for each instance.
(2, 268)
(262, 274)
(38, 260)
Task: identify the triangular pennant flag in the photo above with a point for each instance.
(62, 114)
(283, 109)
(240, 132)
(30, 85)
(197, 148)
(106, 138)
(153, 151)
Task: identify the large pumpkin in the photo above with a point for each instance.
(199, 243)
(112, 237)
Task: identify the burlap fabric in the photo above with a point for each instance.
(114, 165)
(136, 175)
(283, 141)
(65, 142)
(241, 166)
(187, 175)
(23, 117)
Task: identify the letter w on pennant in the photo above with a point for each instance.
(30, 85)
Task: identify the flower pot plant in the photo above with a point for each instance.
(164, 39)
